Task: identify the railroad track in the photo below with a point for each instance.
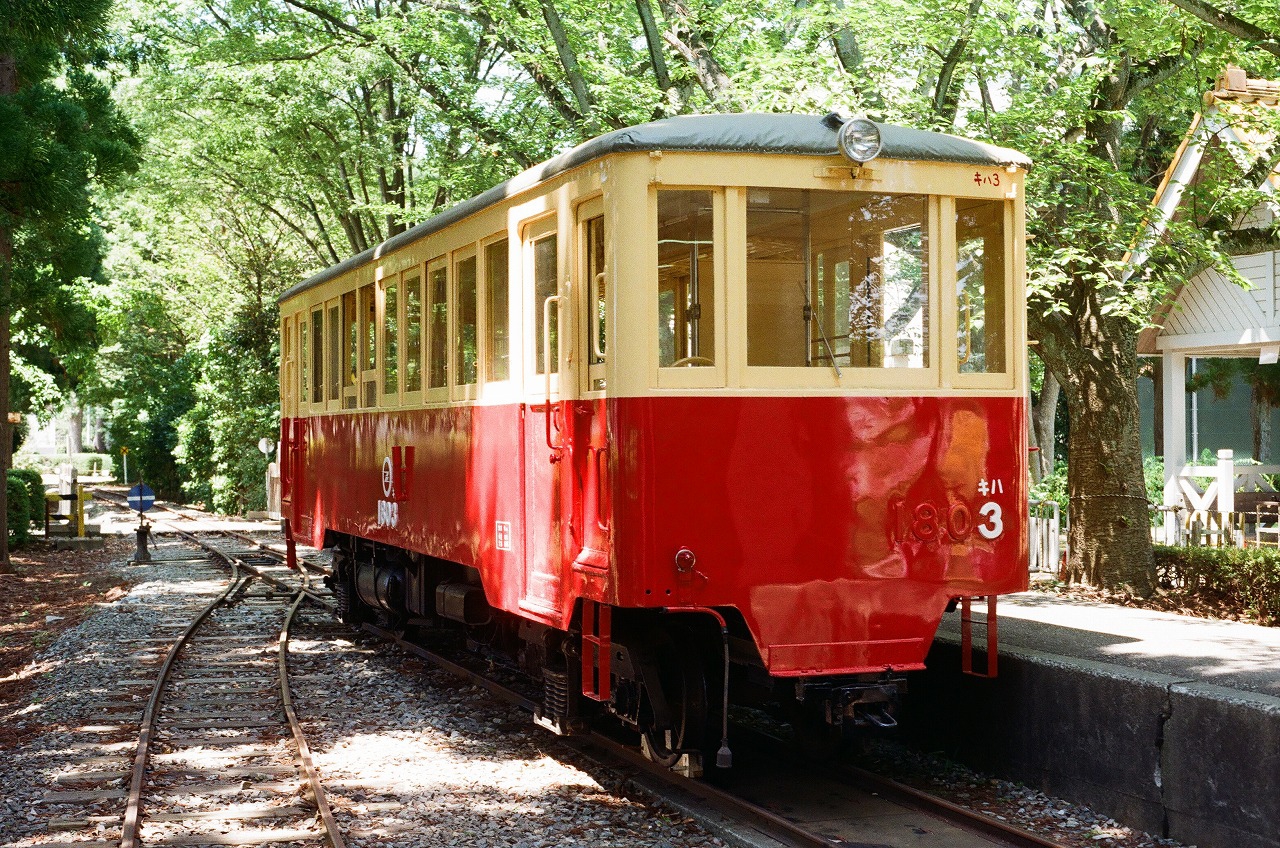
(219, 756)
(267, 559)
(769, 798)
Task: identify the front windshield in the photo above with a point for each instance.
(837, 279)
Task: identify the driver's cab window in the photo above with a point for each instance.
(686, 279)
(837, 279)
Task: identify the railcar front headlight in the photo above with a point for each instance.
(859, 139)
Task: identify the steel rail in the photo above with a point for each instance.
(722, 801)
(129, 834)
(304, 750)
(921, 800)
(777, 826)
(132, 813)
(112, 497)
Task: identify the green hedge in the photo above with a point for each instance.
(86, 463)
(1246, 579)
(19, 511)
(35, 489)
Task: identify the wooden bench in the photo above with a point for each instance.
(1264, 509)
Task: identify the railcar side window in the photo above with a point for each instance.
(980, 286)
(837, 278)
(498, 314)
(368, 345)
(390, 338)
(350, 351)
(413, 333)
(545, 286)
(317, 356)
(438, 326)
(598, 287)
(333, 371)
(465, 346)
(304, 352)
(286, 368)
(686, 279)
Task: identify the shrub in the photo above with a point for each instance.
(35, 491)
(1244, 579)
(86, 463)
(1053, 487)
(19, 511)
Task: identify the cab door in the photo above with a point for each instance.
(547, 453)
(590, 425)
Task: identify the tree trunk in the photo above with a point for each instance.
(75, 429)
(686, 38)
(1108, 541)
(653, 40)
(1043, 416)
(99, 430)
(8, 86)
(569, 62)
(1261, 425)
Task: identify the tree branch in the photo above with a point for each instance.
(568, 60)
(1231, 25)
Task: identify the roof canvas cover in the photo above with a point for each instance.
(738, 133)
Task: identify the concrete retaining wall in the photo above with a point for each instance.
(1197, 763)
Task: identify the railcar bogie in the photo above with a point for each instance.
(699, 407)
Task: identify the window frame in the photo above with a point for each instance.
(317, 387)
(504, 386)
(412, 397)
(436, 394)
(807, 378)
(952, 375)
(711, 376)
(288, 368)
(459, 391)
(531, 232)
(386, 399)
(586, 212)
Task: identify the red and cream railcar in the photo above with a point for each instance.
(695, 395)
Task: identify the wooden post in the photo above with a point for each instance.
(1173, 388)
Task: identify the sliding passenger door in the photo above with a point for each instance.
(545, 440)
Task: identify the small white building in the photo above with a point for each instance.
(1210, 314)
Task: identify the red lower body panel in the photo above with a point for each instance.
(838, 527)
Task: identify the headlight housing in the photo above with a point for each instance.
(859, 140)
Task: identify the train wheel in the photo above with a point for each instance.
(683, 688)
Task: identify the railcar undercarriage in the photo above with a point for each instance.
(664, 675)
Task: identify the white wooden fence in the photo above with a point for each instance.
(1045, 537)
(1219, 504)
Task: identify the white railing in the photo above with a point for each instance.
(1214, 504)
(1045, 537)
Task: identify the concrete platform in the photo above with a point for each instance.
(1167, 723)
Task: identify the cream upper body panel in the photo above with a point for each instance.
(732, 289)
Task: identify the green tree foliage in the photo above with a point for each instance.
(236, 404)
(286, 135)
(60, 134)
(144, 377)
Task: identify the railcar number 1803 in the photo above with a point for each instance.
(928, 521)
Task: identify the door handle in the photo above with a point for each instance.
(546, 365)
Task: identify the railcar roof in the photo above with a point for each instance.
(740, 133)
